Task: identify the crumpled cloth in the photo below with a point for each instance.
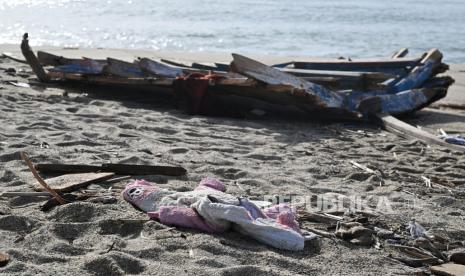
(208, 208)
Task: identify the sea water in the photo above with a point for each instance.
(331, 28)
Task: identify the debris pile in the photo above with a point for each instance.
(318, 89)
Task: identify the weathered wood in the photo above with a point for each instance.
(156, 68)
(123, 169)
(420, 74)
(71, 182)
(269, 75)
(51, 59)
(403, 129)
(25, 194)
(400, 103)
(110, 80)
(41, 181)
(122, 68)
(400, 53)
(144, 169)
(392, 66)
(353, 75)
(9, 56)
(449, 269)
(32, 60)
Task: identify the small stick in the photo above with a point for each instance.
(360, 166)
(427, 181)
(7, 55)
(321, 233)
(32, 194)
(41, 181)
(117, 179)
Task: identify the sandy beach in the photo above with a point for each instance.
(253, 157)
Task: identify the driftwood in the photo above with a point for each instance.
(400, 54)
(318, 217)
(41, 181)
(403, 129)
(25, 194)
(9, 56)
(122, 68)
(362, 167)
(70, 182)
(448, 269)
(32, 60)
(122, 169)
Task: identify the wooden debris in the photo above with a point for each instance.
(71, 182)
(9, 56)
(122, 169)
(362, 167)
(4, 259)
(318, 217)
(321, 233)
(400, 54)
(144, 169)
(32, 60)
(449, 269)
(403, 129)
(41, 181)
(24, 194)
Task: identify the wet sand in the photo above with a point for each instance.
(255, 158)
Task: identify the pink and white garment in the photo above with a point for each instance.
(208, 208)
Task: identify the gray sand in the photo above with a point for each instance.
(253, 157)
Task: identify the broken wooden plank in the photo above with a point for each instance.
(315, 93)
(420, 74)
(51, 59)
(41, 181)
(32, 60)
(109, 80)
(25, 194)
(403, 52)
(144, 169)
(403, 129)
(123, 169)
(71, 182)
(353, 75)
(10, 56)
(448, 269)
(400, 103)
(122, 68)
(156, 68)
(400, 53)
(344, 64)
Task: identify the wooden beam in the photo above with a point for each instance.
(122, 169)
(122, 68)
(152, 67)
(109, 80)
(71, 182)
(316, 94)
(9, 56)
(32, 60)
(400, 53)
(405, 130)
(41, 181)
(392, 66)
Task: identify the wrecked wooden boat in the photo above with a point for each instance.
(333, 89)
